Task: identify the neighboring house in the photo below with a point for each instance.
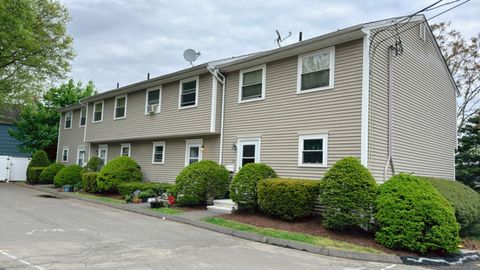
(299, 109)
(8, 145)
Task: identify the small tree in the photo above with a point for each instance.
(39, 159)
(468, 156)
(348, 192)
(94, 164)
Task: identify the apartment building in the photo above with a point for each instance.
(387, 99)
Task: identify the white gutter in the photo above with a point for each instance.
(213, 113)
(214, 71)
(365, 98)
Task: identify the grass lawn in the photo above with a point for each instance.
(294, 236)
(167, 210)
(101, 198)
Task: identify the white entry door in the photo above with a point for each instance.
(18, 169)
(248, 152)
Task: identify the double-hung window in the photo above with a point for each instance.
(83, 117)
(188, 93)
(316, 70)
(98, 111)
(158, 153)
(125, 149)
(152, 102)
(193, 151)
(81, 155)
(312, 150)
(252, 84)
(120, 107)
(65, 154)
(103, 153)
(68, 120)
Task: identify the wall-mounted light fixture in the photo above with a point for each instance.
(203, 147)
(234, 147)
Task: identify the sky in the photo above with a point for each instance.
(122, 41)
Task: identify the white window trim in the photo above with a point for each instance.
(93, 111)
(159, 109)
(193, 143)
(197, 78)
(162, 143)
(123, 145)
(101, 147)
(71, 120)
(115, 108)
(331, 84)
(240, 82)
(68, 153)
(81, 148)
(301, 138)
(80, 118)
(240, 142)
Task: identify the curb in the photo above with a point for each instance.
(254, 237)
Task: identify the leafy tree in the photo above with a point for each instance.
(35, 48)
(463, 59)
(468, 156)
(37, 128)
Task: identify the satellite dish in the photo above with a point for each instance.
(190, 55)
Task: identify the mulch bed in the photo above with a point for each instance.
(313, 226)
(471, 244)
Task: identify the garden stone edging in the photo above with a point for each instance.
(384, 258)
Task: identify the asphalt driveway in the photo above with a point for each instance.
(49, 233)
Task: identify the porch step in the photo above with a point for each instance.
(223, 206)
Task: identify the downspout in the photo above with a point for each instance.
(390, 118)
(214, 71)
(85, 127)
(58, 137)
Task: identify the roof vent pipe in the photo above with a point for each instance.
(300, 36)
(148, 76)
(118, 85)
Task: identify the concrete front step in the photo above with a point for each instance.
(220, 209)
(223, 206)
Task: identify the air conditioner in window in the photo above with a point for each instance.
(152, 109)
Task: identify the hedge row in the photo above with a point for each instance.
(128, 188)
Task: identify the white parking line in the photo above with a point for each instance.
(21, 261)
(389, 267)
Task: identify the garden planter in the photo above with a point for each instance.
(155, 204)
(171, 199)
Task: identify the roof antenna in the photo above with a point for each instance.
(279, 39)
(191, 55)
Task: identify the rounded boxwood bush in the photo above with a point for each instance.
(34, 173)
(39, 159)
(287, 199)
(201, 181)
(47, 175)
(70, 175)
(119, 170)
(413, 215)
(347, 193)
(243, 189)
(94, 164)
(464, 200)
(89, 182)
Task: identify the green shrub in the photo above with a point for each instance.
(128, 188)
(94, 164)
(200, 181)
(69, 175)
(347, 193)
(47, 175)
(39, 159)
(464, 200)
(287, 199)
(243, 189)
(89, 182)
(119, 170)
(144, 195)
(33, 174)
(413, 215)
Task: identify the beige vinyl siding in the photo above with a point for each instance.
(170, 122)
(71, 138)
(175, 149)
(284, 114)
(424, 109)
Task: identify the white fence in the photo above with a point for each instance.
(13, 168)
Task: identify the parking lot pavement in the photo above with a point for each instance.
(49, 233)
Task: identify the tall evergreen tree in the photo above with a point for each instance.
(468, 156)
